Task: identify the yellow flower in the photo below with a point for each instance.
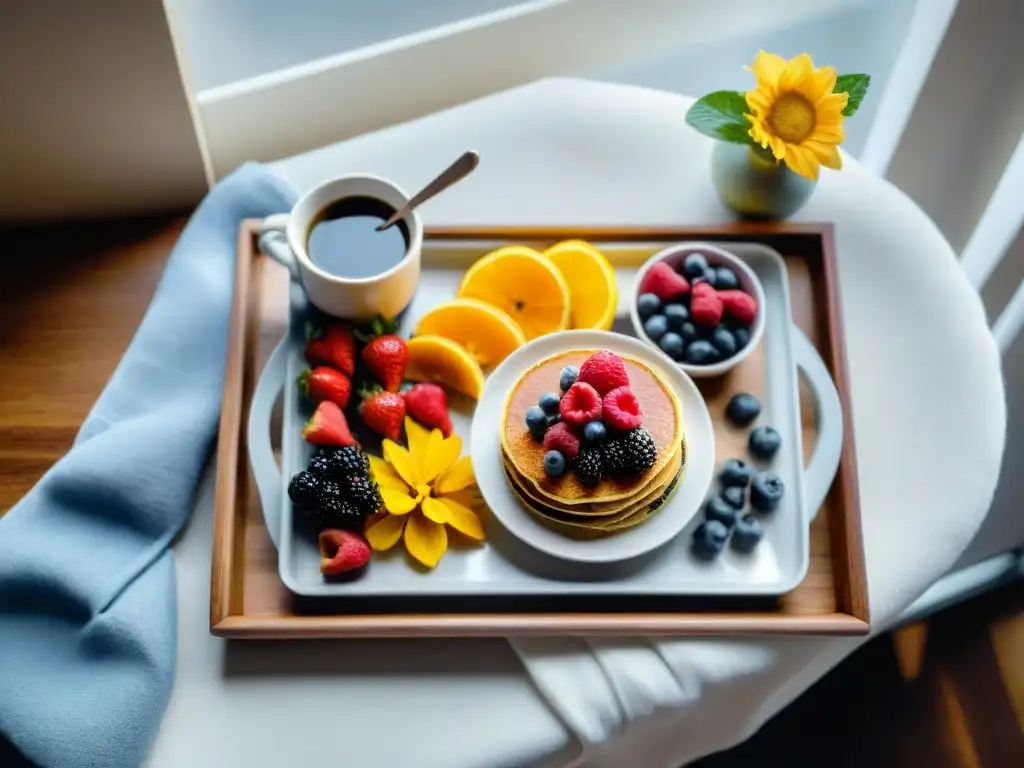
(424, 489)
(795, 112)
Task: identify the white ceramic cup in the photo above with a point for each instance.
(283, 237)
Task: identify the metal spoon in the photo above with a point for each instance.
(453, 173)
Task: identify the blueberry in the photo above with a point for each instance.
(736, 472)
(554, 463)
(536, 422)
(742, 336)
(689, 332)
(735, 495)
(764, 442)
(676, 314)
(672, 345)
(742, 409)
(647, 304)
(700, 352)
(724, 341)
(549, 402)
(708, 539)
(554, 419)
(711, 276)
(747, 534)
(568, 377)
(594, 432)
(655, 327)
(717, 508)
(725, 279)
(694, 266)
(766, 491)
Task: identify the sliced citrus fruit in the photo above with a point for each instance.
(435, 358)
(594, 296)
(483, 330)
(524, 285)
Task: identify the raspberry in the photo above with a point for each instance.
(560, 438)
(705, 306)
(740, 306)
(604, 371)
(580, 404)
(664, 282)
(622, 410)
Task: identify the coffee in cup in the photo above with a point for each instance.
(330, 244)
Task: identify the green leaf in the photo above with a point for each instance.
(856, 86)
(720, 116)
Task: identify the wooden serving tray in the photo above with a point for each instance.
(248, 600)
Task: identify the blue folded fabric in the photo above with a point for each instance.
(88, 622)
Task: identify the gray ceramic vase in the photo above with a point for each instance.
(751, 183)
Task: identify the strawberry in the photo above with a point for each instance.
(580, 404)
(386, 357)
(664, 282)
(341, 551)
(740, 306)
(333, 345)
(705, 306)
(323, 383)
(384, 412)
(428, 404)
(328, 426)
(622, 410)
(560, 437)
(604, 371)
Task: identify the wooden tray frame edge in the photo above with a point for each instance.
(226, 619)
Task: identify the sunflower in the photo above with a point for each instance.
(424, 489)
(795, 112)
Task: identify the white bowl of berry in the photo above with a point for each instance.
(700, 305)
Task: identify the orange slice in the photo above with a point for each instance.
(435, 358)
(524, 285)
(594, 296)
(483, 330)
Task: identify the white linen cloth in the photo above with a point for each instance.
(929, 418)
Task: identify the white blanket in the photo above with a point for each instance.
(928, 406)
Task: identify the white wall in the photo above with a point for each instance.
(94, 117)
(219, 35)
(864, 39)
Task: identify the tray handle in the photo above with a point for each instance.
(261, 452)
(824, 463)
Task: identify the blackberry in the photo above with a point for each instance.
(631, 453)
(363, 493)
(337, 512)
(320, 465)
(349, 461)
(303, 488)
(329, 490)
(589, 466)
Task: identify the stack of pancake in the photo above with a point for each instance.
(614, 504)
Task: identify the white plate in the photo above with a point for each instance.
(624, 545)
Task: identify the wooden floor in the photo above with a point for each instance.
(949, 694)
(70, 300)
